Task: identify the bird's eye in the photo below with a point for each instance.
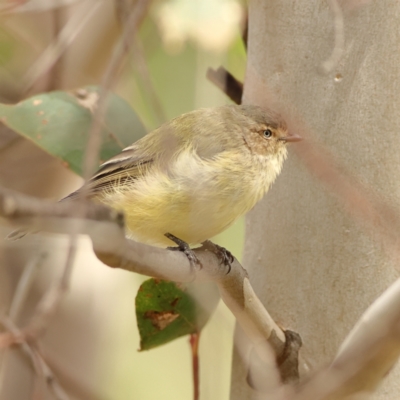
(267, 133)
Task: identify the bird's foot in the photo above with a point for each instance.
(184, 248)
(224, 255)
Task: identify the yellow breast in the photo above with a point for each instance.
(194, 199)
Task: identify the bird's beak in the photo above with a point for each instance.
(291, 138)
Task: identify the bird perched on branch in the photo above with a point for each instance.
(194, 176)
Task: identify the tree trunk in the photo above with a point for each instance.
(314, 266)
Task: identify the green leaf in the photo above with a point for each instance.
(59, 123)
(164, 312)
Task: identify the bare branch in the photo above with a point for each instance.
(52, 298)
(18, 207)
(18, 301)
(56, 72)
(373, 346)
(110, 76)
(42, 369)
(365, 357)
(23, 287)
(54, 51)
(143, 69)
(68, 380)
(234, 286)
(113, 249)
(123, 9)
(46, 307)
(225, 81)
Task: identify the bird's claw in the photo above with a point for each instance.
(224, 255)
(184, 248)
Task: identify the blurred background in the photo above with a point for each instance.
(91, 344)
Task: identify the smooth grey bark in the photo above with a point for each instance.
(314, 267)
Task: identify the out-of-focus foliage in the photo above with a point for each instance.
(59, 123)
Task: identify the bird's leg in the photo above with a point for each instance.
(224, 255)
(185, 248)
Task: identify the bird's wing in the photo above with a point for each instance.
(126, 166)
(120, 170)
(186, 132)
(132, 163)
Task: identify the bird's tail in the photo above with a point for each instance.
(21, 232)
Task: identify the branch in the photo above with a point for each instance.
(123, 9)
(18, 207)
(365, 357)
(227, 83)
(145, 78)
(235, 289)
(55, 50)
(43, 372)
(19, 298)
(373, 346)
(68, 379)
(110, 76)
(113, 249)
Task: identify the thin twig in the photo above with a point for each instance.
(109, 78)
(194, 346)
(52, 298)
(23, 287)
(55, 75)
(18, 207)
(54, 51)
(68, 379)
(41, 368)
(47, 306)
(123, 9)
(18, 301)
(143, 69)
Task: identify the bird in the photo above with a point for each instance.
(191, 178)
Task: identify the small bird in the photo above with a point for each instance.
(193, 176)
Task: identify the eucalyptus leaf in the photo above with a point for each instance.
(164, 312)
(59, 123)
